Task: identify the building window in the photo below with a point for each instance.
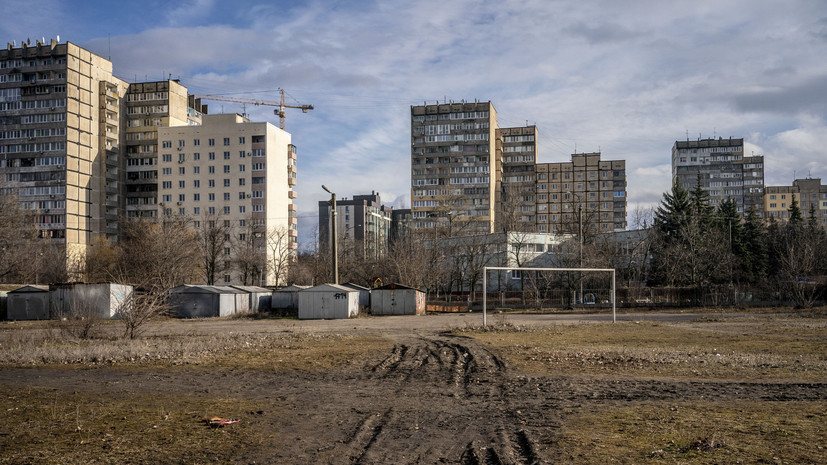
(211, 183)
(242, 154)
(211, 197)
(226, 141)
(211, 169)
(227, 210)
(226, 168)
(167, 185)
(196, 170)
(241, 181)
(182, 184)
(226, 155)
(196, 197)
(167, 157)
(196, 156)
(243, 209)
(181, 170)
(226, 183)
(241, 168)
(182, 197)
(211, 155)
(196, 142)
(226, 196)
(211, 142)
(241, 140)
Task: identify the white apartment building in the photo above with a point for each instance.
(235, 171)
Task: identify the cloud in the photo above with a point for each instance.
(625, 78)
(809, 96)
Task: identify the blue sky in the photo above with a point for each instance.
(626, 78)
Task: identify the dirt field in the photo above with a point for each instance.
(654, 388)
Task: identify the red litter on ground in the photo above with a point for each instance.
(219, 422)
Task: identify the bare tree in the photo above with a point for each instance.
(280, 255)
(248, 253)
(214, 237)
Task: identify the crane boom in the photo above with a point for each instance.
(272, 103)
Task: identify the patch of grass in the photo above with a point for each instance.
(712, 433)
(261, 350)
(761, 349)
(306, 352)
(50, 427)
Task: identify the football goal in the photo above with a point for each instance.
(580, 270)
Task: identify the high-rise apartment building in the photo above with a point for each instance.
(238, 172)
(517, 196)
(724, 171)
(454, 166)
(586, 192)
(809, 193)
(362, 225)
(150, 105)
(61, 120)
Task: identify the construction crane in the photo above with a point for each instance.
(280, 104)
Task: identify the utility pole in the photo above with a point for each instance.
(580, 221)
(334, 238)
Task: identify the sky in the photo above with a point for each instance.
(627, 78)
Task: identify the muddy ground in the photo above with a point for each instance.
(432, 397)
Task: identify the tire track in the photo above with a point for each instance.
(365, 435)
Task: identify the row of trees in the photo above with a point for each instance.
(694, 244)
(150, 253)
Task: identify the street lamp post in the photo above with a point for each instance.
(580, 228)
(333, 242)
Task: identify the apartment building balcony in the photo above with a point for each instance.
(291, 181)
(291, 194)
(112, 158)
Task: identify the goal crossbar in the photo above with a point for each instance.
(513, 268)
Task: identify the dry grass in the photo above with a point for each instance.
(788, 349)
(712, 433)
(44, 345)
(48, 427)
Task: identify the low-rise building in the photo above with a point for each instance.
(810, 194)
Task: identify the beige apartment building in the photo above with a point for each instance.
(235, 171)
(809, 193)
(454, 166)
(586, 192)
(150, 105)
(517, 195)
(61, 120)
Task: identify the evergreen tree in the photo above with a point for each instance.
(796, 218)
(753, 265)
(700, 201)
(728, 222)
(674, 211)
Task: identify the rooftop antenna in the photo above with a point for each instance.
(109, 39)
(687, 134)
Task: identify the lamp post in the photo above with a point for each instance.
(333, 233)
(580, 228)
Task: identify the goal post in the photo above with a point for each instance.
(512, 268)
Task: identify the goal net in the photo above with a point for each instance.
(580, 294)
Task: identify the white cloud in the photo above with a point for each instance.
(625, 78)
